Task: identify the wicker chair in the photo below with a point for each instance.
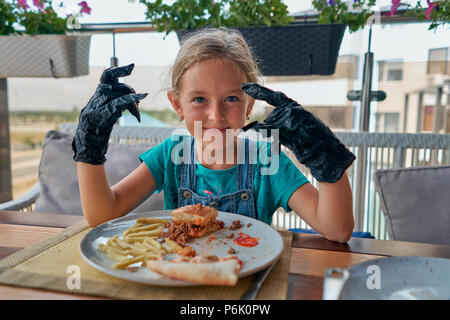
(126, 135)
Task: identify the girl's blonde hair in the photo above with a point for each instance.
(214, 43)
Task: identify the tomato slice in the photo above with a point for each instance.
(245, 240)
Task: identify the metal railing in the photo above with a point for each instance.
(384, 151)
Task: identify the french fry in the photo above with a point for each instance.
(146, 227)
(153, 242)
(134, 226)
(151, 220)
(133, 240)
(113, 253)
(150, 246)
(125, 263)
(149, 233)
(102, 247)
(122, 244)
(112, 239)
(138, 243)
(174, 245)
(167, 248)
(114, 244)
(138, 251)
(142, 227)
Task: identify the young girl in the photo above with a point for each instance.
(207, 93)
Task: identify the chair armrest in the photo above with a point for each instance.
(24, 201)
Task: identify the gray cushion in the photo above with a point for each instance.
(59, 192)
(416, 203)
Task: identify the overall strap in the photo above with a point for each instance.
(245, 170)
(188, 180)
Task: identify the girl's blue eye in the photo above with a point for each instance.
(199, 99)
(232, 99)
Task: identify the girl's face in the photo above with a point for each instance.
(210, 92)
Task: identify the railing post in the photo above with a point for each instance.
(399, 157)
(405, 113)
(5, 149)
(420, 114)
(362, 152)
(360, 189)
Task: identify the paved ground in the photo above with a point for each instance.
(24, 166)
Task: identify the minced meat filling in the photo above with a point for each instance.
(184, 231)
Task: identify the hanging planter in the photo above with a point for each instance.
(35, 41)
(282, 47)
(309, 49)
(56, 56)
(294, 50)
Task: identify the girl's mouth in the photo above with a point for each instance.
(215, 128)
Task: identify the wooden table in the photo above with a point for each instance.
(311, 254)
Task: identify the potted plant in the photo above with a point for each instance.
(282, 46)
(338, 12)
(36, 41)
(356, 17)
(436, 12)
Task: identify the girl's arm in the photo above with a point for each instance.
(101, 203)
(328, 210)
(90, 143)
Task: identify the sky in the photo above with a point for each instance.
(152, 54)
(153, 49)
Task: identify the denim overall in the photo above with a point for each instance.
(241, 201)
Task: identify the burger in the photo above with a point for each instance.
(192, 221)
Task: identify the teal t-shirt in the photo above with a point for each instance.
(275, 178)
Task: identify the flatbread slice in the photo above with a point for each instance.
(222, 273)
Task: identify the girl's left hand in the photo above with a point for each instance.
(98, 117)
(312, 142)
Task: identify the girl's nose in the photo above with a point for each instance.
(216, 111)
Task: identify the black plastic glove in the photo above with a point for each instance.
(312, 142)
(98, 117)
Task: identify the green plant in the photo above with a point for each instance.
(7, 18)
(38, 17)
(337, 11)
(42, 22)
(437, 12)
(193, 14)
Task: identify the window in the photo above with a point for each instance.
(438, 61)
(390, 70)
(387, 122)
(391, 122)
(395, 75)
(428, 118)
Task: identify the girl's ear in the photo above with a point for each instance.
(250, 107)
(174, 100)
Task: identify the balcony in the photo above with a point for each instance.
(408, 129)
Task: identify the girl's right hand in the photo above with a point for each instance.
(313, 143)
(98, 117)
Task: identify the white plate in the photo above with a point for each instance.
(399, 278)
(254, 259)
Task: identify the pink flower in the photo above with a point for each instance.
(84, 7)
(431, 6)
(23, 4)
(38, 3)
(395, 5)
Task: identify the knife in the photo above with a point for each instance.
(257, 282)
